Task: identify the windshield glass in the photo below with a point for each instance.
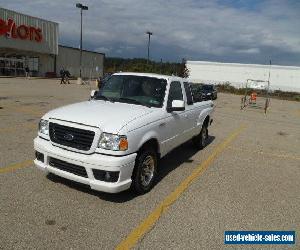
(140, 90)
(196, 86)
(207, 87)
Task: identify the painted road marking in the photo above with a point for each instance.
(13, 128)
(29, 110)
(16, 166)
(278, 154)
(138, 232)
(36, 111)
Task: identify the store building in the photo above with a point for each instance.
(286, 78)
(32, 42)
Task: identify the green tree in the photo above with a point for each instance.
(113, 65)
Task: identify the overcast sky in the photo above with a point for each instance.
(246, 31)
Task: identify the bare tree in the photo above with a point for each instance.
(183, 70)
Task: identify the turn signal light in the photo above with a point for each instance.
(123, 145)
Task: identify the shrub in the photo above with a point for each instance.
(279, 94)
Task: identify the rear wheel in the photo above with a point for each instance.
(145, 171)
(200, 141)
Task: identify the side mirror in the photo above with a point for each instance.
(177, 105)
(93, 93)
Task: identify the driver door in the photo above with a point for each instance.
(175, 119)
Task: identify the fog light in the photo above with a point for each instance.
(39, 156)
(107, 176)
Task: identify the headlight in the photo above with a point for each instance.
(113, 142)
(44, 127)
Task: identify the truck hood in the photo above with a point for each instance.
(109, 117)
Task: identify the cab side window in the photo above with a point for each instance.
(189, 96)
(196, 92)
(175, 92)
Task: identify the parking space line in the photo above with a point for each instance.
(29, 111)
(16, 166)
(137, 233)
(30, 126)
(297, 112)
(36, 111)
(278, 155)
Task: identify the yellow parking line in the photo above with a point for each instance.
(24, 109)
(277, 154)
(28, 110)
(138, 232)
(13, 128)
(16, 166)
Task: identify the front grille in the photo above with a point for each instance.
(72, 137)
(68, 167)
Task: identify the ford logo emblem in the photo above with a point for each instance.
(69, 137)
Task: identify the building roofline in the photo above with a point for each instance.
(84, 50)
(149, 75)
(241, 64)
(42, 19)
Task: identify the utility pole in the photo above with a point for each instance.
(80, 43)
(149, 35)
(81, 7)
(268, 90)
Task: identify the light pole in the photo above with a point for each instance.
(81, 7)
(149, 34)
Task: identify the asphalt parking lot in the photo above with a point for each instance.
(247, 178)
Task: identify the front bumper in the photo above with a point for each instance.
(123, 164)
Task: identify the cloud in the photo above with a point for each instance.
(103, 50)
(249, 51)
(231, 30)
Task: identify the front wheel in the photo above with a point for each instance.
(200, 141)
(145, 171)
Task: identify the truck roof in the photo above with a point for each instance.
(150, 75)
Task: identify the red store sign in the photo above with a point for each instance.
(11, 30)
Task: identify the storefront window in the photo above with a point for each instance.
(33, 64)
(11, 66)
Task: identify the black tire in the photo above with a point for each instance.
(200, 141)
(140, 184)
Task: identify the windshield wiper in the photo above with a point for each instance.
(102, 97)
(133, 101)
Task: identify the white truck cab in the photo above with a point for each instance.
(114, 141)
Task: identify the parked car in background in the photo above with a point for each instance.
(196, 89)
(209, 92)
(204, 92)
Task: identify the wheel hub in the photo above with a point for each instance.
(147, 171)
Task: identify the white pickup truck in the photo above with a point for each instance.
(114, 141)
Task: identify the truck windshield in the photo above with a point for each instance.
(139, 90)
